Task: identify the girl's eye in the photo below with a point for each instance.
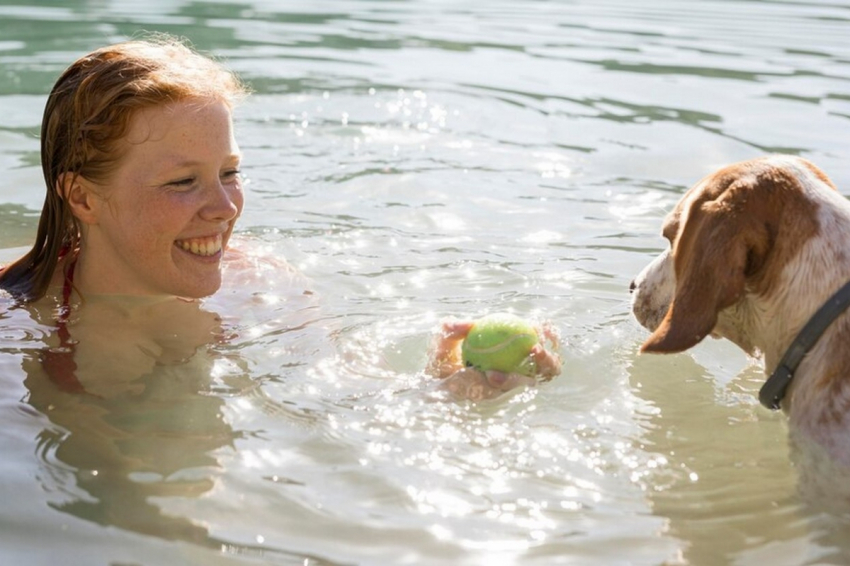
(231, 174)
(182, 183)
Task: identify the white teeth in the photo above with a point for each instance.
(204, 247)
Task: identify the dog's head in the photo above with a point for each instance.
(731, 238)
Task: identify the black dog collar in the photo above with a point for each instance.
(776, 385)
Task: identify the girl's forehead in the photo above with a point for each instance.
(181, 131)
(157, 123)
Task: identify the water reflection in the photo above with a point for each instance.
(729, 477)
(144, 426)
(147, 428)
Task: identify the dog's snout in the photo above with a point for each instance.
(632, 286)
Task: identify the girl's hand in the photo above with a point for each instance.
(445, 362)
(445, 356)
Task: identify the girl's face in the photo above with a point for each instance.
(165, 215)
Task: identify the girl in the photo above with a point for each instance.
(143, 190)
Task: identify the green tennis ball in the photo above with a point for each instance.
(500, 342)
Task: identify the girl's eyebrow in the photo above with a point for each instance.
(177, 163)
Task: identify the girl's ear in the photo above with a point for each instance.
(80, 195)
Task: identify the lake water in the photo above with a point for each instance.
(416, 160)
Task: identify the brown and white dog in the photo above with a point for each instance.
(756, 249)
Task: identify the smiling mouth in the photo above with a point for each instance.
(201, 246)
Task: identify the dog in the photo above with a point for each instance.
(759, 254)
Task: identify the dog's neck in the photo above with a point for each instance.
(818, 398)
(772, 315)
(769, 318)
(774, 389)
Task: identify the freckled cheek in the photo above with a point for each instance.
(163, 221)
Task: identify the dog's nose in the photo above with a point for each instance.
(632, 286)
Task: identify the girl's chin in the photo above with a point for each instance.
(196, 277)
(201, 289)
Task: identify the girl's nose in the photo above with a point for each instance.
(225, 202)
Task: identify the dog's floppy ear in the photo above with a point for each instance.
(719, 244)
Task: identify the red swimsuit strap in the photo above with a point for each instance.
(59, 362)
(67, 289)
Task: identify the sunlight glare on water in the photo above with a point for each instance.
(415, 161)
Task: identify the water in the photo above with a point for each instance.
(417, 160)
